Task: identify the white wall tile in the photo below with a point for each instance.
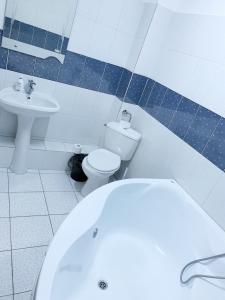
(207, 86)
(89, 8)
(105, 30)
(185, 52)
(81, 34)
(110, 13)
(101, 42)
(2, 13)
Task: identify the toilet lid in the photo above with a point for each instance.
(103, 160)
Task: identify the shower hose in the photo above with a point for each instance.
(193, 262)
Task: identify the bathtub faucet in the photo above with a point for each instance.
(194, 262)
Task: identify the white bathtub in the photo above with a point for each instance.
(147, 230)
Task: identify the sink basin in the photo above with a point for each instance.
(38, 105)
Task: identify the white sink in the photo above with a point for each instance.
(27, 109)
(39, 104)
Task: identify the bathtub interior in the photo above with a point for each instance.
(145, 236)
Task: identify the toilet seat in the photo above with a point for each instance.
(103, 160)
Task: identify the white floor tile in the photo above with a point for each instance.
(30, 232)
(6, 141)
(5, 274)
(3, 182)
(56, 183)
(60, 202)
(57, 221)
(79, 196)
(7, 297)
(27, 204)
(5, 234)
(22, 296)
(26, 266)
(4, 205)
(76, 185)
(29, 182)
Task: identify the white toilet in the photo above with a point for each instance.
(119, 144)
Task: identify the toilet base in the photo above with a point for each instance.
(93, 184)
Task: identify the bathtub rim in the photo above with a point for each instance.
(95, 203)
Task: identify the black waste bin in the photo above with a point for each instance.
(75, 166)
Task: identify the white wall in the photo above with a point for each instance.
(185, 51)
(161, 154)
(53, 15)
(80, 119)
(107, 30)
(2, 12)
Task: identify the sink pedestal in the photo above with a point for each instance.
(22, 143)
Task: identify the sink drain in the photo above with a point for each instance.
(102, 284)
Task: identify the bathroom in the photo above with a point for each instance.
(135, 88)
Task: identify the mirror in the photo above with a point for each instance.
(40, 28)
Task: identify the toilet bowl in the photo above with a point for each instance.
(98, 166)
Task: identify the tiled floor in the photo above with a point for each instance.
(32, 207)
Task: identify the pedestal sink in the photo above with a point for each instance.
(27, 109)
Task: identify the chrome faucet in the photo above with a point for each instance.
(29, 88)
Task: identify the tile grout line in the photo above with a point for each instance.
(30, 247)
(28, 216)
(10, 235)
(23, 248)
(192, 122)
(212, 134)
(175, 111)
(121, 76)
(46, 202)
(143, 91)
(73, 188)
(147, 101)
(15, 294)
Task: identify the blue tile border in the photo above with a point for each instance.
(92, 74)
(77, 70)
(199, 127)
(35, 36)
